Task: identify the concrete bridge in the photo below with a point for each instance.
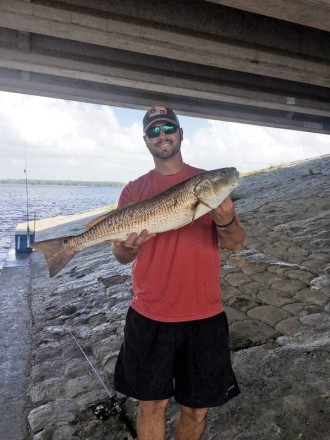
(255, 61)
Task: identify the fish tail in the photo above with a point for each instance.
(57, 253)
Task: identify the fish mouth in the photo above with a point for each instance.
(233, 177)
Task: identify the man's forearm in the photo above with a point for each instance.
(232, 237)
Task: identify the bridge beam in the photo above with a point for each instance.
(227, 63)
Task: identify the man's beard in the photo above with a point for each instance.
(165, 154)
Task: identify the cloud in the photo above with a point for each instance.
(79, 141)
(66, 140)
(249, 147)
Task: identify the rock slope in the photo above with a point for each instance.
(276, 293)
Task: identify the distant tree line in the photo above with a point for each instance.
(62, 182)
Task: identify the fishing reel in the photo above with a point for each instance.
(103, 410)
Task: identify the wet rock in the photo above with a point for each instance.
(310, 262)
(313, 231)
(44, 391)
(237, 279)
(97, 319)
(242, 303)
(312, 296)
(83, 401)
(288, 326)
(322, 257)
(327, 269)
(234, 315)
(266, 278)
(279, 270)
(47, 352)
(251, 269)
(45, 434)
(110, 364)
(119, 293)
(73, 368)
(247, 267)
(82, 332)
(301, 308)
(289, 286)
(253, 288)
(250, 332)
(228, 292)
(64, 432)
(102, 348)
(114, 280)
(270, 315)
(50, 414)
(322, 283)
(46, 370)
(120, 309)
(274, 297)
(299, 274)
(82, 384)
(317, 320)
(296, 259)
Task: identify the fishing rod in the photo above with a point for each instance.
(103, 410)
(29, 239)
(27, 205)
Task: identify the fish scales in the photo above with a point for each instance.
(171, 209)
(157, 215)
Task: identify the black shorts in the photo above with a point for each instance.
(188, 360)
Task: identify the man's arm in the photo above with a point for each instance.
(232, 236)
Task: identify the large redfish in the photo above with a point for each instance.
(176, 207)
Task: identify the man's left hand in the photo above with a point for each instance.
(224, 213)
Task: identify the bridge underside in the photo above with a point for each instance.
(245, 61)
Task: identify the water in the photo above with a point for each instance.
(46, 201)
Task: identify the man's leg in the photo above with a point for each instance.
(191, 423)
(151, 420)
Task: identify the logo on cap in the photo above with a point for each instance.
(157, 111)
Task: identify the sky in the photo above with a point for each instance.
(68, 140)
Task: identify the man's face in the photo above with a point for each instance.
(164, 146)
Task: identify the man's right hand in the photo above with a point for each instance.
(126, 251)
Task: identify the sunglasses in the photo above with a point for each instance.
(153, 132)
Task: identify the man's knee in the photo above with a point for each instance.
(152, 406)
(198, 415)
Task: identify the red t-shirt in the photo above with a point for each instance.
(176, 275)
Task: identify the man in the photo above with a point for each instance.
(176, 333)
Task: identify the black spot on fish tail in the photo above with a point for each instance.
(57, 253)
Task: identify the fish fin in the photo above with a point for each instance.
(57, 253)
(97, 220)
(195, 210)
(204, 192)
